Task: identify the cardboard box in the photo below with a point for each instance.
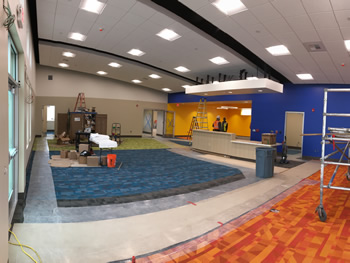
(82, 160)
(104, 160)
(268, 138)
(93, 161)
(73, 155)
(64, 154)
(84, 147)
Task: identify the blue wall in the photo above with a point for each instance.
(268, 111)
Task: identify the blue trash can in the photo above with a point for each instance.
(264, 162)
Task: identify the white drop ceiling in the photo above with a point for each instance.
(128, 24)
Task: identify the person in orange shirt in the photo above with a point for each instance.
(217, 124)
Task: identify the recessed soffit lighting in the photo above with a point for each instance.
(251, 78)
(114, 65)
(305, 76)
(77, 36)
(154, 76)
(136, 52)
(68, 54)
(168, 34)
(219, 60)
(101, 72)
(166, 89)
(136, 81)
(230, 7)
(347, 44)
(92, 6)
(246, 112)
(279, 50)
(186, 86)
(182, 69)
(63, 65)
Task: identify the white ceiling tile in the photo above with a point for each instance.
(111, 15)
(289, 8)
(340, 4)
(324, 20)
(46, 25)
(245, 18)
(343, 18)
(292, 63)
(308, 36)
(300, 23)
(43, 6)
(162, 20)
(72, 3)
(261, 34)
(194, 4)
(124, 4)
(327, 66)
(345, 32)
(337, 50)
(288, 38)
(66, 10)
(317, 6)
(319, 77)
(151, 27)
(265, 12)
(82, 26)
(142, 10)
(252, 3)
(332, 34)
(133, 19)
(210, 13)
(86, 16)
(277, 26)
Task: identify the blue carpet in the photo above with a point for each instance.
(143, 173)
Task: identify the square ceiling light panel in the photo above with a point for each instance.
(63, 65)
(305, 76)
(168, 34)
(136, 52)
(155, 76)
(77, 36)
(279, 50)
(68, 54)
(182, 69)
(92, 6)
(219, 60)
(230, 7)
(347, 44)
(114, 65)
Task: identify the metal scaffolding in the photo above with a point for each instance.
(340, 139)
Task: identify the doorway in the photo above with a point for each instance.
(48, 117)
(158, 123)
(294, 127)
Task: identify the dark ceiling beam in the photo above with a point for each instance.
(34, 27)
(180, 10)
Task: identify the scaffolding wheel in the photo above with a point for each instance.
(348, 176)
(321, 213)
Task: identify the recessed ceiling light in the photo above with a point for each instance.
(168, 34)
(155, 76)
(101, 72)
(182, 69)
(186, 86)
(347, 44)
(260, 90)
(279, 50)
(230, 7)
(216, 82)
(63, 65)
(93, 6)
(246, 112)
(136, 81)
(68, 54)
(166, 89)
(230, 92)
(219, 60)
(114, 65)
(136, 52)
(77, 36)
(251, 78)
(305, 76)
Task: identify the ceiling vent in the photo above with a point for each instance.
(314, 46)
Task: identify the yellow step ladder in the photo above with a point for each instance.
(202, 116)
(194, 125)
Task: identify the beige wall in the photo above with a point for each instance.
(68, 83)
(128, 113)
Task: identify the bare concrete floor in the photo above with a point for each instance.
(109, 233)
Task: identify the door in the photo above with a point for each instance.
(147, 121)
(44, 120)
(13, 146)
(294, 127)
(169, 127)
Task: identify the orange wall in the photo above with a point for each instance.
(240, 125)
